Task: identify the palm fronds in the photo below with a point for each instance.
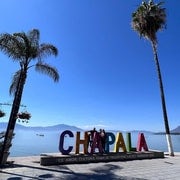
(48, 70)
(2, 113)
(15, 81)
(148, 19)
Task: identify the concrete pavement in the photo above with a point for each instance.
(29, 168)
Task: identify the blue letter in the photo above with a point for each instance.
(109, 142)
(61, 142)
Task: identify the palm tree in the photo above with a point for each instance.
(25, 49)
(147, 20)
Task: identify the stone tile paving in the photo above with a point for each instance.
(28, 168)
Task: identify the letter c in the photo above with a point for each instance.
(61, 142)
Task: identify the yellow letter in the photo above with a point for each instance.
(119, 143)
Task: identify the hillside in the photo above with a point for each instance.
(62, 127)
(59, 127)
(176, 130)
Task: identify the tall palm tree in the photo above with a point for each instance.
(25, 49)
(147, 20)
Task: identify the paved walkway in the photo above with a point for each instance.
(28, 168)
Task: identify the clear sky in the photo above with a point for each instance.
(108, 77)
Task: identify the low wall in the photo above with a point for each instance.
(47, 160)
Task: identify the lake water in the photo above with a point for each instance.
(28, 143)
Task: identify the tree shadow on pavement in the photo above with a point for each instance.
(17, 175)
(104, 172)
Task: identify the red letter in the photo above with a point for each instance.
(96, 143)
(141, 143)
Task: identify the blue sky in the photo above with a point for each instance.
(108, 77)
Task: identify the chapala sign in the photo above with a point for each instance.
(93, 140)
(101, 141)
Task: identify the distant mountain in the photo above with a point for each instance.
(176, 130)
(141, 131)
(131, 131)
(62, 127)
(59, 127)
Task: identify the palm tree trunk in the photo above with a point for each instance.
(168, 136)
(12, 120)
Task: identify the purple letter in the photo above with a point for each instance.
(61, 142)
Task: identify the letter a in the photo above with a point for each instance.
(119, 143)
(141, 143)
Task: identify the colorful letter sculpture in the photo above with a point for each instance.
(110, 139)
(128, 143)
(96, 143)
(84, 142)
(141, 143)
(61, 142)
(119, 143)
